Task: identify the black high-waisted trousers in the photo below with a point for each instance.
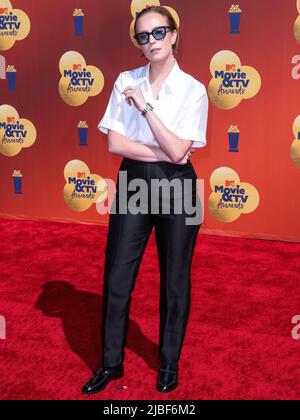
(127, 238)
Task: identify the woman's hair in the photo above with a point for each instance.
(171, 21)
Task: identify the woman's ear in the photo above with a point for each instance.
(174, 33)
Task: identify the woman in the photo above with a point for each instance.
(156, 116)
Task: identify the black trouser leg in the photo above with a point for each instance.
(127, 238)
(175, 244)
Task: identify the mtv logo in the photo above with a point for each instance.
(11, 119)
(80, 174)
(76, 66)
(3, 10)
(230, 67)
(229, 183)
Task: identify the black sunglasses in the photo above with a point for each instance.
(159, 33)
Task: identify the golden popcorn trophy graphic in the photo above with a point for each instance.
(231, 82)
(82, 133)
(234, 18)
(17, 180)
(78, 16)
(15, 132)
(11, 76)
(82, 189)
(230, 197)
(297, 24)
(295, 146)
(78, 80)
(137, 6)
(14, 25)
(233, 137)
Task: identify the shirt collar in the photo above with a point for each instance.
(171, 81)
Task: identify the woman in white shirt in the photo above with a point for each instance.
(155, 118)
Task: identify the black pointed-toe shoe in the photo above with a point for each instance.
(102, 378)
(167, 378)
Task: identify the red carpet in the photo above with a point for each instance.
(238, 343)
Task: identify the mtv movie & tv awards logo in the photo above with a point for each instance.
(138, 5)
(231, 197)
(231, 82)
(82, 189)
(78, 80)
(14, 25)
(15, 132)
(295, 146)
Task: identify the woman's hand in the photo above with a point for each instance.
(134, 95)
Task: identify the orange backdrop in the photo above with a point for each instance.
(267, 41)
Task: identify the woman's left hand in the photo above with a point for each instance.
(134, 95)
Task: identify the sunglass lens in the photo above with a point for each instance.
(159, 33)
(142, 39)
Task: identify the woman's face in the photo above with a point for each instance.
(156, 50)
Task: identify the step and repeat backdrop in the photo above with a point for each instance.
(58, 64)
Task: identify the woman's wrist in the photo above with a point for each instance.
(147, 107)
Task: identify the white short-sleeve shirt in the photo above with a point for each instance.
(182, 106)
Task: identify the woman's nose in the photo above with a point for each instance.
(151, 39)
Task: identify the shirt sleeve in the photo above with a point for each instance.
(113, 117)
(193, 119)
